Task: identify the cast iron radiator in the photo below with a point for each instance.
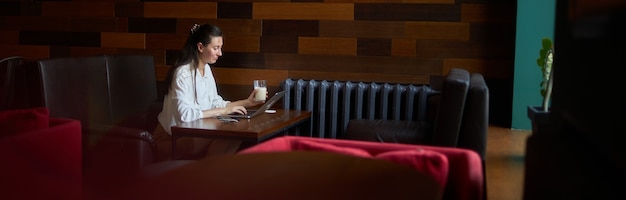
(334, 103)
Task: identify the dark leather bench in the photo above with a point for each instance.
(441, 128)
(458, 116)
(451, 111)
(115, 99)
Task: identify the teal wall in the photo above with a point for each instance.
(535, 20)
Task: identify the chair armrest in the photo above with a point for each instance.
(145, 119)
(152, 115)
(126, 146)
(476, 117)
(449, 115)
(123, 132)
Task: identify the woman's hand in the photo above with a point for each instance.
(235, 109)
(251, 101)
(229, 109)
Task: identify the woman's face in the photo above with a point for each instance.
(211, 52)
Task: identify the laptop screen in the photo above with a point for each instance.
(267, 105)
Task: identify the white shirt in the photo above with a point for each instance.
(180, 104)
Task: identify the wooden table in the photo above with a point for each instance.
(253, 130)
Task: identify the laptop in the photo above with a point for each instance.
(267, 105)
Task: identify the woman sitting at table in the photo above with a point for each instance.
(192, 95)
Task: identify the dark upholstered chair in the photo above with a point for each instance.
(115, 98)
(442, 127)
(8, 76)
(475, 123)
(133, 87)
(40, 155)
(460, 113)
(453, 120)
(76, 88)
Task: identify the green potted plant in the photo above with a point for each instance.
(539, 115)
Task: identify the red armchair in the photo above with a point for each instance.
(458, 170)
(40, 156)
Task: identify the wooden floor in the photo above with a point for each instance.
(505, 163)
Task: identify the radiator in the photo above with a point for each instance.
(333, 103)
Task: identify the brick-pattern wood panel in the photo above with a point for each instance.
(236, 27)
(58, 38)
(33, 23)
(242, 44)
(356, 64)
(459, 49)
(129, 9)
(407, 12)
(78, 9)
(329, 46)
(279, 44)
(407, 1)
(94, 24)
(490, 68)
(86, 51)
(234, 10)
(412, 36)
(401, 41)
(437, 30)
(362, 29)
(246, 76)
(10, 9)
(9, 37)
(373, 47)
(123, 40)
(305, 11)
(180, 10)
(481, 13)
(30, 52)
(310, 28)
(361, 77)
(242, 60)
(403, 47)
(152, 25)
(165, 41)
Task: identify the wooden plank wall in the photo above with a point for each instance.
(397, 41)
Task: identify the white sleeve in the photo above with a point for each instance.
(184, 97)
